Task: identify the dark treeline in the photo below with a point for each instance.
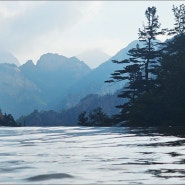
(70, 116)
(155, 73)
(7, 120)
(95, 118)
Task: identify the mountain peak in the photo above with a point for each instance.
(7, 57)
(30, 63)
(51, 61)
(74, 58)
(93, 57)
(49, 57)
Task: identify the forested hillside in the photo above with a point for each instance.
(70, 117)
(155, 74)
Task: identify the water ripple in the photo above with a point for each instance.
(45, 177)
(91, 155)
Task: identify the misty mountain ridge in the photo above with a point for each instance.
(18, 95)
(93, 57)
(54, 74)
(39, 86)
(55, 82)
(7, 57)
(70, 117)
(94, 82)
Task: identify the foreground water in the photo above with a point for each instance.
(84, 155)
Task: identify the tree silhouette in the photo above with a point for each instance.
(7, 120)
(141, 63)
(95, 118)
(83, 119)
(179, 25)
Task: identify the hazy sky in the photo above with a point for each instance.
(29, 29)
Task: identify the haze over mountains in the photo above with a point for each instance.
(54, 83)
(30, 86)
(93, 57)
(7, 57)
(94, 82)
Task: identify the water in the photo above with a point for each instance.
(84, 155)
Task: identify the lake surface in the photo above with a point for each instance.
(84, 155)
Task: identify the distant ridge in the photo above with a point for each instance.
(55, 82)
(93, 57)
(7, 57)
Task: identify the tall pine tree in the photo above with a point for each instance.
(141, 62)
(179, 15)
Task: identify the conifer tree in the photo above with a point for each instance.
(145, 53)
(179, 25)
(165, 104)
(83, 119)
(142, 60)
(149, 52)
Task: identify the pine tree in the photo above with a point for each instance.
(145, 53)
(165, 104)
(179, 25)
(83, 119)
(98, 118)
(95, 118)
(141, 63)
(149, 53)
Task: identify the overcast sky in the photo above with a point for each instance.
(29, 29)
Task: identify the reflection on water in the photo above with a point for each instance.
(84, 155)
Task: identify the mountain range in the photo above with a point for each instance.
(94, 82)
(7, 57)
(69, 117)
(93, 57)
(55, 83)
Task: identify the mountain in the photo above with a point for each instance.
(70, 117)
(88, 93)
(54, 74)
(94, 81)
(55, 82)
(7, 57)
(18, 95)
(39, 86)
(93, 57)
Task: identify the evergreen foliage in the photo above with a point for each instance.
(159, 100)
(140, 66)
(95, 118)
(165, 104)
(7, 120)
(179, 26)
